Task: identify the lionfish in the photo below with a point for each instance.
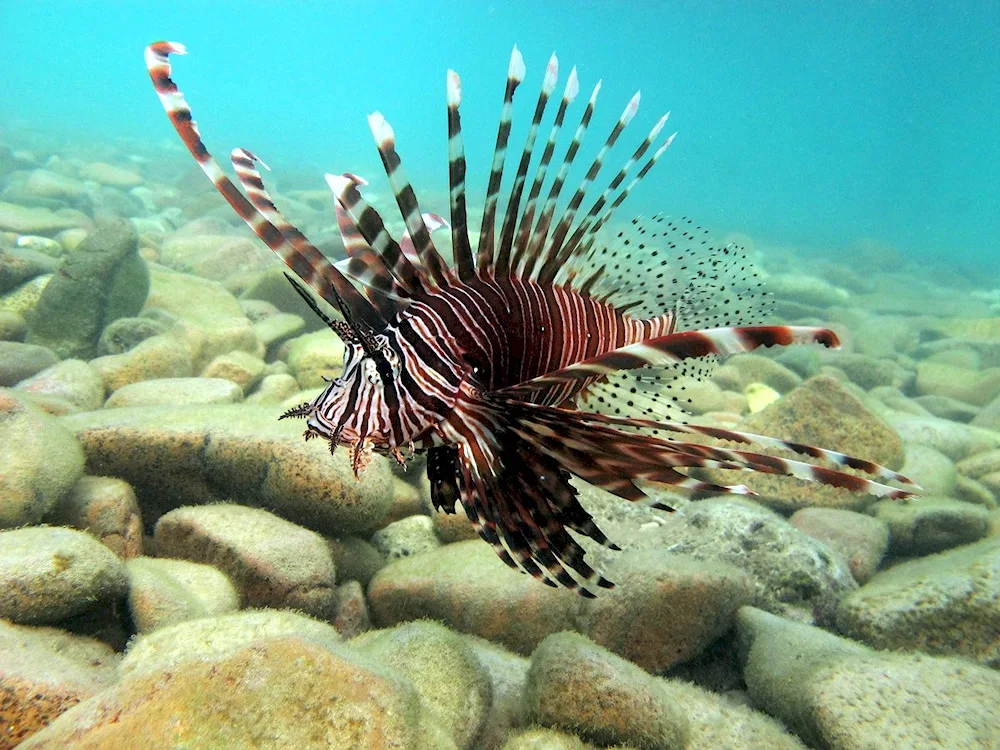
(553, 348)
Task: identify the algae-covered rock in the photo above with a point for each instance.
(71, 380)
(208, 639)
(155, 358)
(270, 694)
(271, 561)
(466, 586)
(577, 686)
(44, 672)
(125, 333)
(452, 684)
(835, 693)
(861, 540)
(930, 523)
(941, 604)
(21, 361)
(39, 461)
(175, 455)
(106, 508)
(175, 391)
(164, 592)
(406, 537)
(48, 574)
(665, 608)
(102, 280)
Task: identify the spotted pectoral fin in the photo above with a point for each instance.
(673, 348)
(596, 448)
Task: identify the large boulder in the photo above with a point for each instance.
(40, 461)
(201, 454)
(838, 694)
(102, 280)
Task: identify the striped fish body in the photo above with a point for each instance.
(556, 348)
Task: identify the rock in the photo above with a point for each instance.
(806, 290)
(956, 441)
(102, 280)
(545, 739)
(507, 674)
(108, 174)
(173, 455)
(313, 357)
(48, 574)
(974, 491)
(12, 326)
(947, 407)
(931, 469)
(927, 524)
(275, 329)
(821, 412)
(759, 396)
(155, 358)
(575, 685)
(272, 286)
(351, 617)
(744, 369)
(106, 508)
(283, 692)
(835, 693)
(716, 721)
(980, 464)
(864, 371)
(165, 592)
(21, 265)
(665, 608)
(20, 361)
(39, 461)
(71, 380)
(242, 368)
(989, 416)
(42, 183)
(44, 672)
(466, 586)
(356, 559)
(272, 562)
(970, 386)
(208, 639)
(461, 585)
(861, 540)
(793, 574)
(215, 257)
(274, 389)
(453, 686)
(24, 298)
(175, 391)
(409, 536)
(126, 333)
(25, 220)
(453, 527)
(941, 604)
(208, 308)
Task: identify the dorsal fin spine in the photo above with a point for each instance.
(510, 217)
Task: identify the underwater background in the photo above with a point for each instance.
(820, 124)
(180, 568)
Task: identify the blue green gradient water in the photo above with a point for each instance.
(818, 124)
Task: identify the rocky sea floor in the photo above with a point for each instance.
(178, 568)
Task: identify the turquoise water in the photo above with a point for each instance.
(818, 124)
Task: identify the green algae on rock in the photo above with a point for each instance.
(187, 455)
(40, 461)
(102, 280)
